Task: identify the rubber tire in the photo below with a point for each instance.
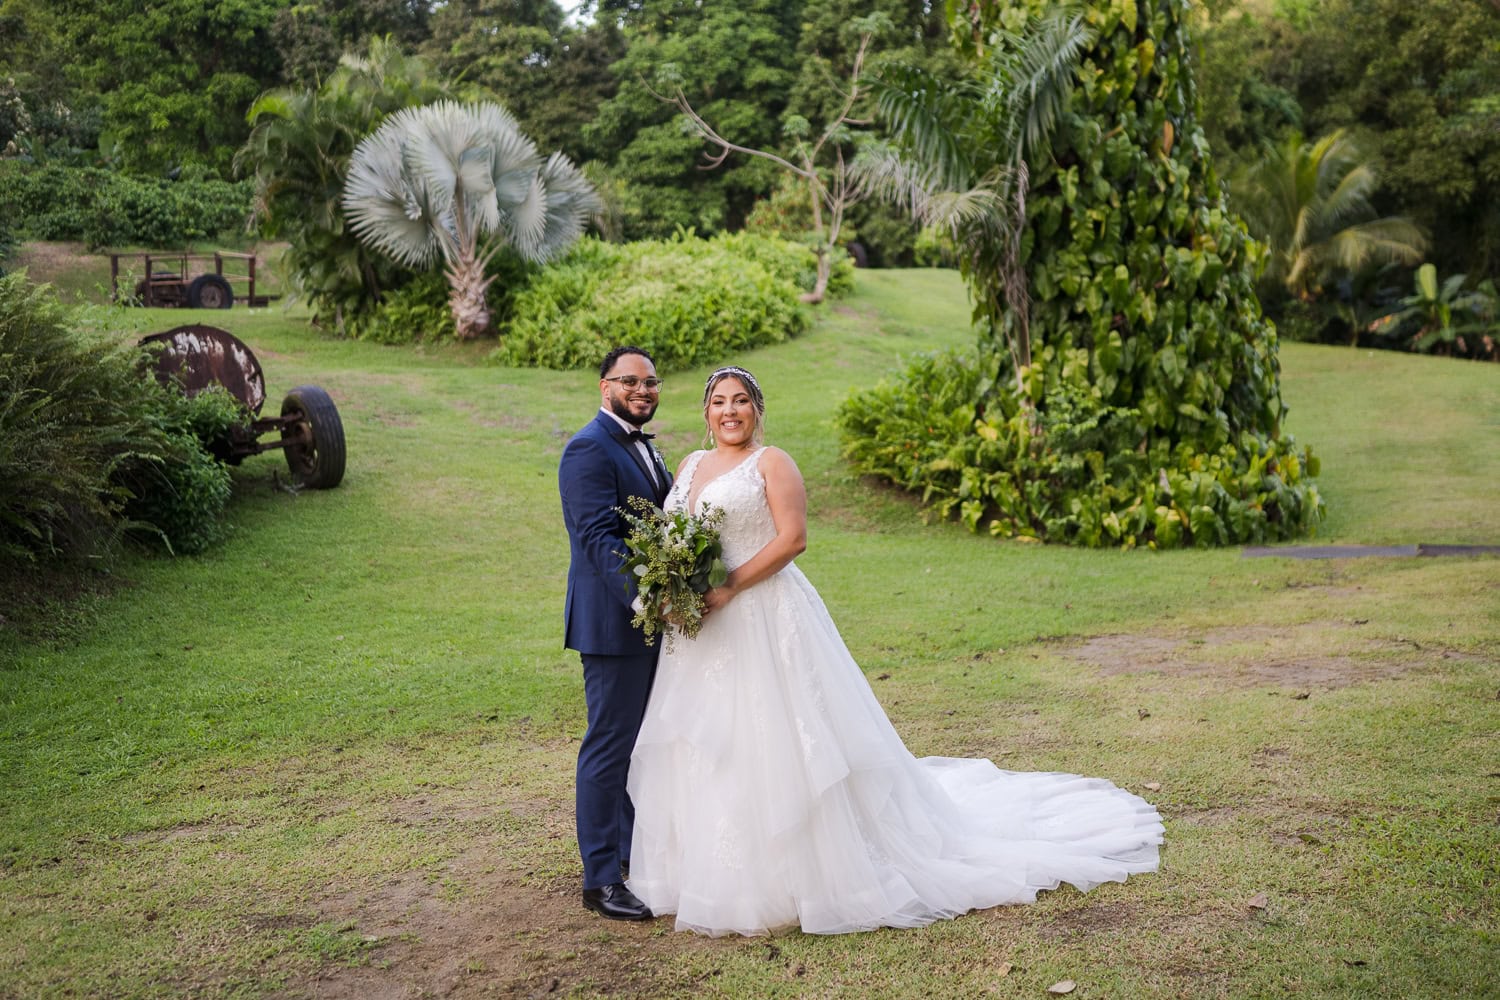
(321, 466)
(210, 291)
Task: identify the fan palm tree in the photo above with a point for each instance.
(298, 151)
(959, 158)
(1310, 205)
(458, 182)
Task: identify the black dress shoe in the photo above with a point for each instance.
(615, 902)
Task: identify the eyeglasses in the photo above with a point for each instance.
(635, 381)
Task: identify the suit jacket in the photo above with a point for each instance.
(601, 469)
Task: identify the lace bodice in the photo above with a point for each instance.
(741, 494)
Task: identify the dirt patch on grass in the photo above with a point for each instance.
(481, 930)
(1311, 655)
(45, 261)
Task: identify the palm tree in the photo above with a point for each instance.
(960, 153)
(458, 182)
(1310, 206)
(298, 152)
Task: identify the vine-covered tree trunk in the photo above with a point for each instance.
(1153, 379)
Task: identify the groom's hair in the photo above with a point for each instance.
(620, 352)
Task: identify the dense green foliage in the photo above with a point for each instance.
(104, 208)
(1080, 471)
(737, 61)
(686, 300)
(1150, 411)
(73, 410)
(179, 497)
(298, 152)
(550, 73)
(91, 447)
(1413, 86)
(172, 78)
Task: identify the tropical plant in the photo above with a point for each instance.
(457, 182)
(960, 154)
(1129, 393)
(1412, 82)
(298, 152)
(1448, 318)
(1309, 203)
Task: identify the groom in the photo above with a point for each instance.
(605, 464)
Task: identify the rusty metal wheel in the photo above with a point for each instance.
(314, 437)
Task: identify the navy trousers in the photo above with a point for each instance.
(615, 689)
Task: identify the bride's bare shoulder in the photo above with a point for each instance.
(773, 460)
(686, 461)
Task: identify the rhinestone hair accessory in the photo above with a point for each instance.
(756, 398)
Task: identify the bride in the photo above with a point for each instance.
(770, 788)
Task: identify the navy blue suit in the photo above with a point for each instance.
(601, 470)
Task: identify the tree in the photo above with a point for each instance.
(298, 151)
(817, 161)
(737, 64)
(1410, 82)
(174, 76)
(457, 182)
(1309, 203)
(961, 157)
(550, 74)
(311, 36)
(1150, 411)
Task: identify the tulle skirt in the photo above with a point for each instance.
(771, 791)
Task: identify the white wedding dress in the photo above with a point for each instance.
(771, 790)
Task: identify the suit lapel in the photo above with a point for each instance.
(657, 492)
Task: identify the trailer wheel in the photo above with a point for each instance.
(315, 438)
(210, 291)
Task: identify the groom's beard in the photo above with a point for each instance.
(621, 409)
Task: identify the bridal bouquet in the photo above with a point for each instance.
(675, 559)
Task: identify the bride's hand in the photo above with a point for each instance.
(716, 598)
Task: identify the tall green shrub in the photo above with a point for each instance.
(75, 411)
(686, 300)
(91, 447)
(1151, 411)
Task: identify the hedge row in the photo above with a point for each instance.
(102, 208)
(686, 300)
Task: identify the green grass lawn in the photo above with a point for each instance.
(334, 756)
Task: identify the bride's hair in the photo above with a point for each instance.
(752, 387)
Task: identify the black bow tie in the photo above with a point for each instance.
(639, 435)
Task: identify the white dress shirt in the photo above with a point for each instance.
(641, 447)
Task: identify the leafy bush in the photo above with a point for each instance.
(415, 312)
(1087, 473)
(7, 241)
(686, 300)
(103, 208)
(790, 259)
(179, 497)
(74, 412)
(91, 446)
